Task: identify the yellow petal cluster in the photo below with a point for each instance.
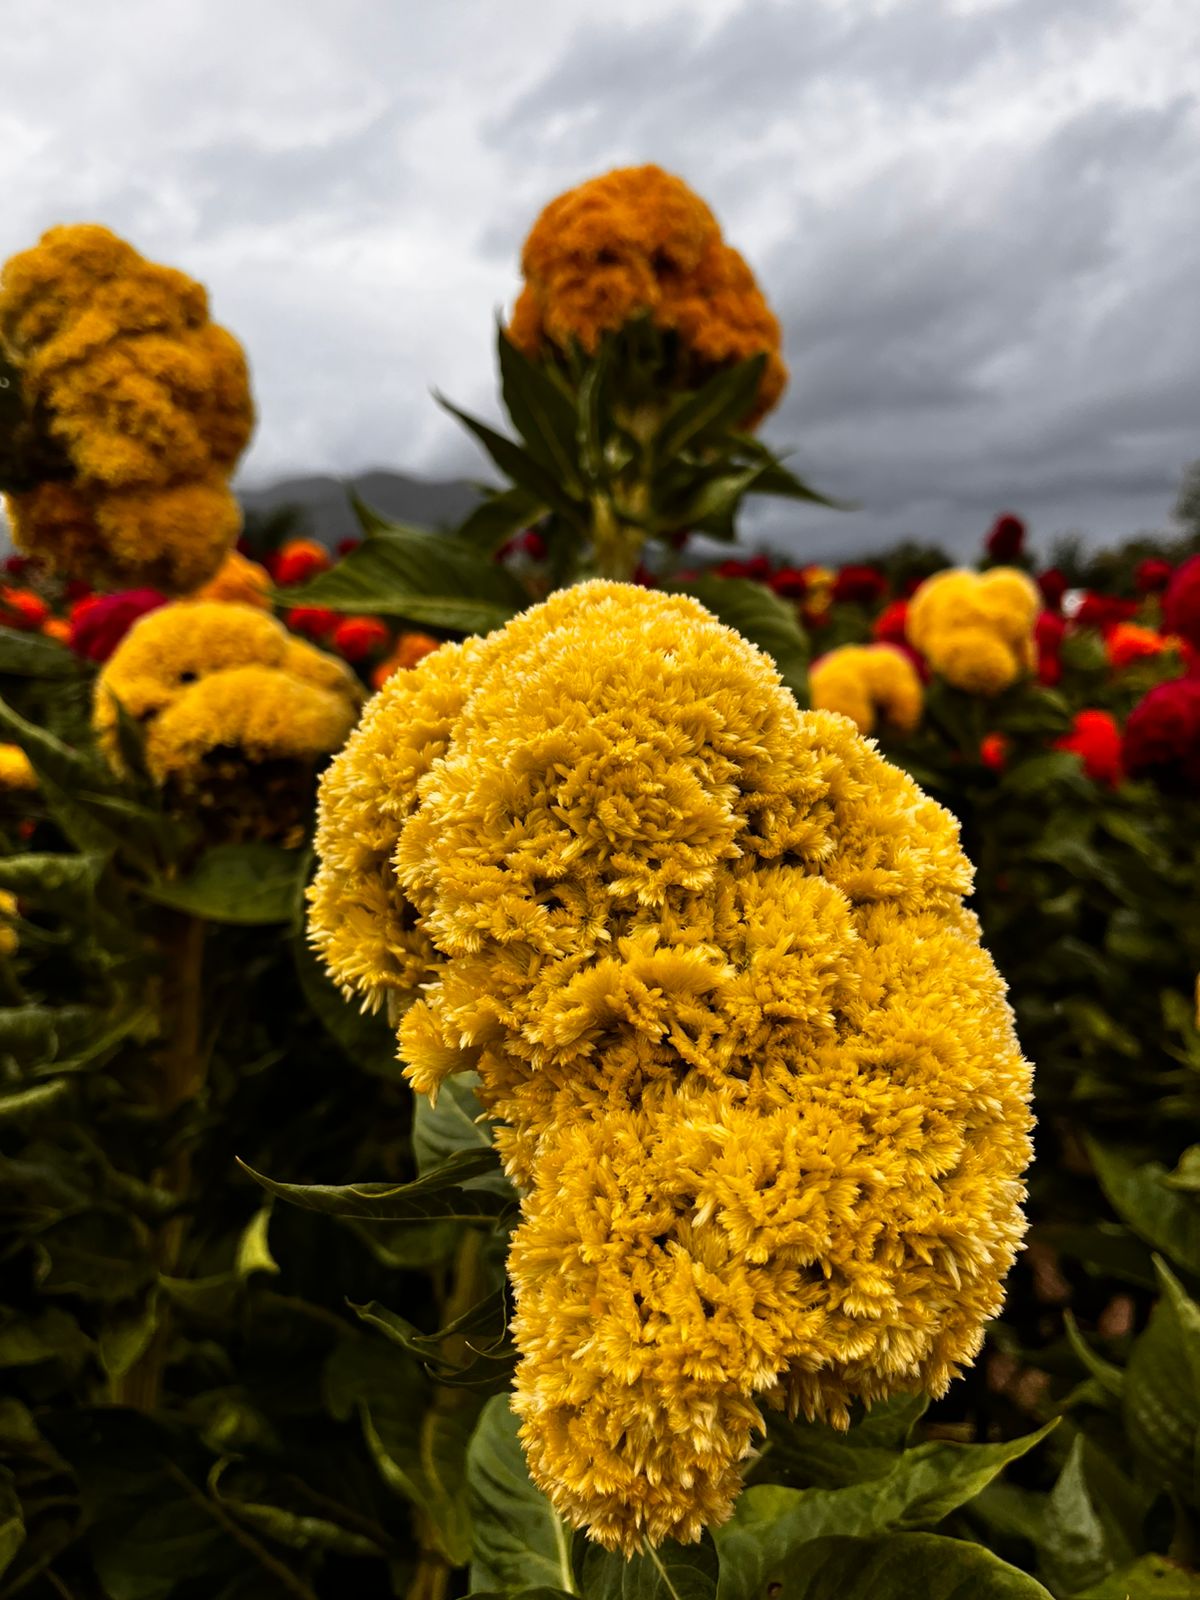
(868, 683)
(224, 695)
(16, 770)
(750, 1068)
(976, 628)
(638, 241)
(9, 942)
(147, 400)
(240, 582)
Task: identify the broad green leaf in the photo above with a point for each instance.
(764, 619)
(900, 1566)
(1161, 1396)
(1167, 1218)
(44, 875)
(98, 1255)
(365, 1036)
(722, 403)
(781, 482)
(497, 517)
(813, 1455)
(291, 1529)
(668, 1572)
(1186, 1176)
(435, 1194)
(1151, 1578)
(1110, 1377)
(248, 884)
(770, 1523)
(518, 1540)
(456, 1123)
(427, 1465)
(541, 412)
(517, 464)
(713, 500)
(29, 655)
(433, 579)
(469, 1352)
(1073, 1548)
(254, 1246)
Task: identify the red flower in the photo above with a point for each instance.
(1053, 584)
(789, 583)
(77, 590)
(993, 752)
(1103, 611)
(298, 561)
(1181, 603)
(1096, 740)
(889, 626)
(101, 621)
(1162, 736)
(1006, 541)
(313, 622)
(1152, 575)
(356, 638)
(21, 608)
(1127, 643)
(345, 546)
(1048, 633)
(859, 585)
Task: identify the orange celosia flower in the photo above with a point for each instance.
(146, 402)
(239, 581)
(410, 649)
(634, 242)
(299, 560)
(1126, 643)
(21, 608)
(356, 638)
(58, 629)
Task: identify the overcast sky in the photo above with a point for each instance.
(978, 220)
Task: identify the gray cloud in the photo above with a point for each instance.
(972, 216)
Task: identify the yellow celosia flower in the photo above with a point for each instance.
(976, 629)
(148, 401)
(9, 942)
(16, 771)
(750, 1068)
(865, 682)
(235, 713)
(239, 581)
(638, 241)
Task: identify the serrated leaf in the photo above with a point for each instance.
(248, 884)
(668, 1572)
(434, 579)
(435, 1194)
(518, 1540)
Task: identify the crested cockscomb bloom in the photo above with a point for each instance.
(976, 629)
(236, 715)
(1152, 575)
(408, 651)
(1126, 644)
(100, 621)
(1181, 602)
(875, 685)
(857, 584)
(22, 609)
(1103, 611)
(1049, 631)
(138, 407)
(299, 560)
(749, 1067)
(1006, 541)
(890, 626)
(1162, 735)
(1053, 584)
(638, 242)
(1096, 739)
(356, 638)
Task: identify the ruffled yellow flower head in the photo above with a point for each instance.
(146, 402)
(868, 683)
(235, 713)
(638, 241)
(750, 1068)
(976, 628)
(16, 770)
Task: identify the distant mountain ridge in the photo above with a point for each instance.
(325, 502)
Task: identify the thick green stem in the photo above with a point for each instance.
(182, 1074)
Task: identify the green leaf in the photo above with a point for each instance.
(723, 402)
(497, 517)
(456, 1123)
(254, 1246)
(435, 1194)
(1110, 1377)
(517, 464)
(1151, 1578)
(12, 1521)
(29, 655)
(518, 1540)
(1186, 1176)
(670, 1572)
(50, 875)
(1161, 1396)
(489, 1359)
(780, 481)
(427, 1465)
(770, 1523)
(247, 884)
(541, 412)
(26, 1104)
(1073, 1548)
(812, 1454)
(1137, 1191)
(898, 1566)
(434, 579)
(365, 1036)
(126, 1333)
(764, 619)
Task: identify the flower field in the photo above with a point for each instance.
(550, 1057)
